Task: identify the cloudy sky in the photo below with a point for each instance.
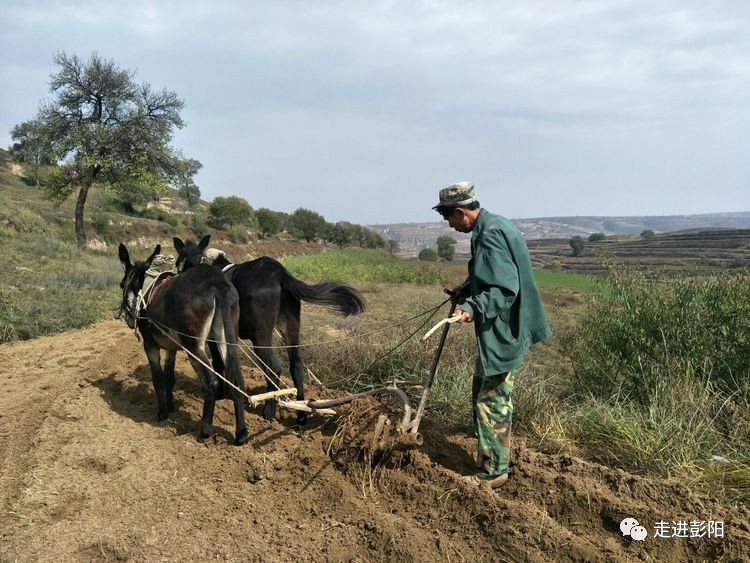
(363, 110)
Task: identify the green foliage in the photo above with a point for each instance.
(648, 233)
(238, 235)
(446, 248)
(555, 266)
(307, 224)
(198, 226)
(186, 187)
(649, 335)
(270, 222)
(104, 129)
(160, 215)
(341, 234)
(393, 246)
(190, 193)
(344, 233)
(31, 147)
(362, 265)
(231, 211)
(133, 195)
(578, 244)
(101, 225)
(596, 237)
(428, 254)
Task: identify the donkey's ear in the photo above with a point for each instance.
(156, 251)
(204, 242)
(124, 257)
(178, 244)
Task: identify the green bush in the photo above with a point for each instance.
(101, 225)
(648, 334)
(428, 255)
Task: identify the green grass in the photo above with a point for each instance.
(46, 286)
(547, 279)
(363, 265)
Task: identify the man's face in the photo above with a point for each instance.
(459, 221)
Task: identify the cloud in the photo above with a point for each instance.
(346, 106)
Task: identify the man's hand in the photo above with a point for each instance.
(465, 316)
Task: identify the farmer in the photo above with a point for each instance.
(501, 298)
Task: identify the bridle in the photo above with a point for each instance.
(132, 309)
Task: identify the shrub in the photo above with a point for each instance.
(446, 247)
(428, 255)
(198, 226)
(596, 237)
(649, 334)
(578, 244)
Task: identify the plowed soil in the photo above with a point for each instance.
(87, 473)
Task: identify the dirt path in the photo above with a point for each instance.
(87, 473)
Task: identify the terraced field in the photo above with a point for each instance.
(693, 252)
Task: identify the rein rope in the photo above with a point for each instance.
(432, 311)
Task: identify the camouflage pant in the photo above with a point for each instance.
(493, 410)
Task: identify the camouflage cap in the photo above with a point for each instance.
(454, 195)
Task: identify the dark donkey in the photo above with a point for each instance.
(270, 297)
(192, 308)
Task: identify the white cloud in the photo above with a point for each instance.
(617, 101)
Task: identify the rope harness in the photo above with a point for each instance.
(161, 271)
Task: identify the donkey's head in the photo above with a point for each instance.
(132, 283)
(189, 254)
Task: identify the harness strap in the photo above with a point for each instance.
(159, 282)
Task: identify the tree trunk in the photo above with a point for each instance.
(80, 203)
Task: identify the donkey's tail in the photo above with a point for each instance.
(338, 296)
(228, 344)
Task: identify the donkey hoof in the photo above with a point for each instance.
(242, 437)
(302, 417)
(269, 410)
(162, 415)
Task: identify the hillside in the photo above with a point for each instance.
(687, 252)
(414, 236)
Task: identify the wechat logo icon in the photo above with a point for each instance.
(631, 527)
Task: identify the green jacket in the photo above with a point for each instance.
(504, 300)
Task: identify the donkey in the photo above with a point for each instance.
(189, 309)
(270, 297)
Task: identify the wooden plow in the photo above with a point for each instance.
(404, 433)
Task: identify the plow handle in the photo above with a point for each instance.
(428, 384)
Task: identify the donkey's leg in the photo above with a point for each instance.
(217, 363)
(290, 328)
(273, 381)
(225, 350)
(241, 434)
(169, 379)
(157, 378)
(210, 388)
